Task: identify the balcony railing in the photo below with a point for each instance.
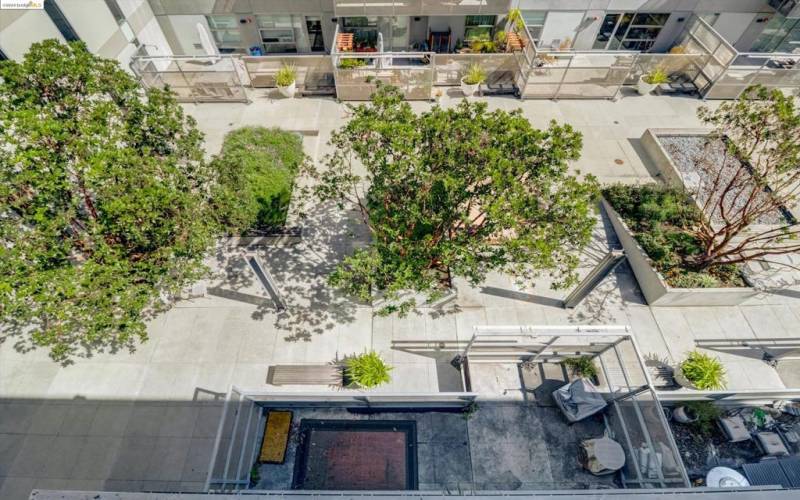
(701, 58)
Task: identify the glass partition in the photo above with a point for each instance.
(193, 79)
(314, 73)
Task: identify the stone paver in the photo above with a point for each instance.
(146, 420)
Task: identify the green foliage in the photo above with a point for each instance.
(656, 76)
(256, 171)
(761, 130)
(662, 218)
(582, 366)
(514, 16)
(470, 410)
(475, 74)
(484, 45)
(706, 414)
(286, 75)
(704, 371)
(462, 191)
(367, 370)
(103, 196)
(351, 63)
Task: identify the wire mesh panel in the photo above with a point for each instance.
(774, 71)
(651, 455)
(314, 72)
(412, 73)
(195, 79)
(500, 68)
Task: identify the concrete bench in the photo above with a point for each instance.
(305, 375)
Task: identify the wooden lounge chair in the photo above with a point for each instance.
(318, 374)
(276, 437)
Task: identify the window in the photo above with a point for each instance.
(479, 27)
(534, 20)
(629, 31)
(113, 6)
(60, 21)
(277, 33)
(225, 30)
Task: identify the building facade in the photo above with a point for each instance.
(119, 29)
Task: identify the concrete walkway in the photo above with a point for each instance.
(145, 420)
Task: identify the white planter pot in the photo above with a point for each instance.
(288, 91)
(468, 89)
(682, 415)
(681, 379)
(645, 88)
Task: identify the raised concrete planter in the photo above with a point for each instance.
(655, 289)
(667, 169)
(279, 237)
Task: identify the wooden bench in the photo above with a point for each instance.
(276, 437)
(305, 375)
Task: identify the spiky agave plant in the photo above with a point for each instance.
(704, 371)
(367, 370)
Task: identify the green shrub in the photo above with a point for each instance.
(475, 75)
(367, 370)
(704, 371)
(656, 76)
(256, 170)
(351, 63)
(286, 76)
(582, 366)
(691, 279)
(706, 413)
(660, 218)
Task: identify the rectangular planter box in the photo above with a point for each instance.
(655, 289)
(663, 161)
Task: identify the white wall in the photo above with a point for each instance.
(732, 25)
(561, 25)
(91, 20)
(184, 29)
(34, 26)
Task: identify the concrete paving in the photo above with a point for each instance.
(100, 422)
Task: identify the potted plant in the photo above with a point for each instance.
(583, 366)
(366, 370)
(700, 371)
(699, 414)
(514, 18)
(650, 80)
(472, 80)
(286, 80)
(351, 63)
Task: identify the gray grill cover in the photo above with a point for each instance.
(578, 400)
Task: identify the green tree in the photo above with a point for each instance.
(759, 174)
(103, 201)
(455, 192)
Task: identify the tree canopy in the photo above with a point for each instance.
(758, 175)
(103, 201)
(455, 192)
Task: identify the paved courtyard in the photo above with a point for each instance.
(146, 420)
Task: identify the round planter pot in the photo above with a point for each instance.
(681, 379)
(643, 87)
(682, 415)
(289, 90)
(468, 89)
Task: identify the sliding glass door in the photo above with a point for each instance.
(629, 31)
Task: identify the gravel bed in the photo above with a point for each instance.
(685, 150)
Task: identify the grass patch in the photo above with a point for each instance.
(256, 171)
(660, 217)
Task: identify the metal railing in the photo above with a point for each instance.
(704, 59)
(194, 78)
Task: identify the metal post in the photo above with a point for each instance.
(459, 359)
(607, 264)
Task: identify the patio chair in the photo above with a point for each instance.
(578, 400)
